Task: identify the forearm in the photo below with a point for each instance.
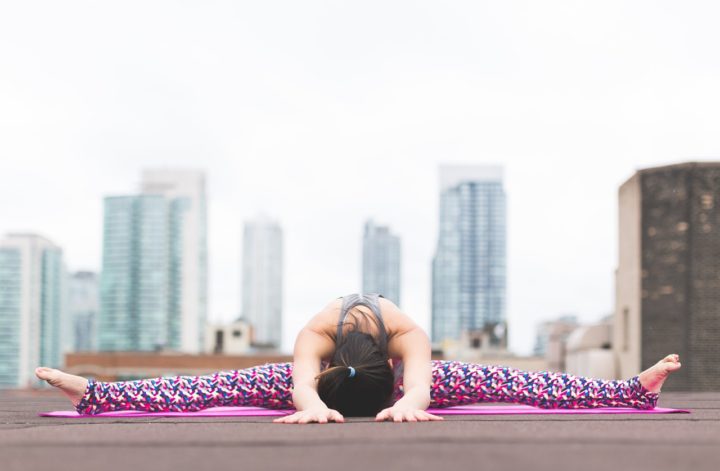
(417, 397)
(305, 397)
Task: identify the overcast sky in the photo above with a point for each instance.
(322, 114)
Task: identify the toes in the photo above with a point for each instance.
(42, 372)
(674, 358)
(50, 375)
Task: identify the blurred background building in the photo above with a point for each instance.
(134, 286)
(31, 307)
(668, 274)
(83, 310)
(125, 366)
(153, 288)
(484, 347)
(468, 269)
(551, 338)
(588, 350)
(185, 192)
(381, 262)
(262, 284)
(229, 339)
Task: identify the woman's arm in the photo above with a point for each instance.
(411, 344)
(311, 346)
(413, 347)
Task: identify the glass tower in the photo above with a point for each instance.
(184, 190)
(134, 282)
(52, 319)
(31, 307)
(153, 288)
(381, 262)
(262, 293)
(468, 270)
(83, 307)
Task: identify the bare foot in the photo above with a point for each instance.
(654, 377)
(73, 386)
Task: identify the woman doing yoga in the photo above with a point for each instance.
(362, 356)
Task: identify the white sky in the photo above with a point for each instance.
(322, 114)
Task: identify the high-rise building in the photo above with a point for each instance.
(381, 262)
(187, 225)
(262, 291)
(31, 307)
(134, 283)
(469, 265)
(153, 288)
(668, 275)
(83, 307)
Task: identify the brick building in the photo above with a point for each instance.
(668, 275)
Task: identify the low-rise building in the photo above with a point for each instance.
(229, 339)
(121, 366)
(589, 351)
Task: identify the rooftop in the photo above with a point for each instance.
(659, 442)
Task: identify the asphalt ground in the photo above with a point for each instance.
(553, 442)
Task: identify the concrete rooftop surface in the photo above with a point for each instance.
(568, 442)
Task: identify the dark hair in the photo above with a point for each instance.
(370, 390)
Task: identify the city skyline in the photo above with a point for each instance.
(527, 349)
(311, 118)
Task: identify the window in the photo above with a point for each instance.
(707, 201)
(219, 341)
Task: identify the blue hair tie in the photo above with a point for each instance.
(352, 371)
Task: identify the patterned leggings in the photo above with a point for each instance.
(454, 383)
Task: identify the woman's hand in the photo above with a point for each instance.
(320, 415)
(402, 413)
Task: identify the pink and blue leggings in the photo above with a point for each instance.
(454, 383)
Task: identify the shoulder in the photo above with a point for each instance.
(396, 321)
(325, 322)
(405, 337)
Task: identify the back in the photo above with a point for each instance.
(370, 301)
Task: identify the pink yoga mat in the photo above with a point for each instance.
(458, 410)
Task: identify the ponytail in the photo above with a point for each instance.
(359, 381)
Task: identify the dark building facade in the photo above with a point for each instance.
(668, 278)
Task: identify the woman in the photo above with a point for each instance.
(362, 356)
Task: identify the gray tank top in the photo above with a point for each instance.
(371, 301)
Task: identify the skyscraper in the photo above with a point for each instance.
(187, 225)
(134, 284)
(31, 307)
(381, 262)
(262, 290)
(153, 289)
(83, 308)
(469, 264)
(668, 275)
